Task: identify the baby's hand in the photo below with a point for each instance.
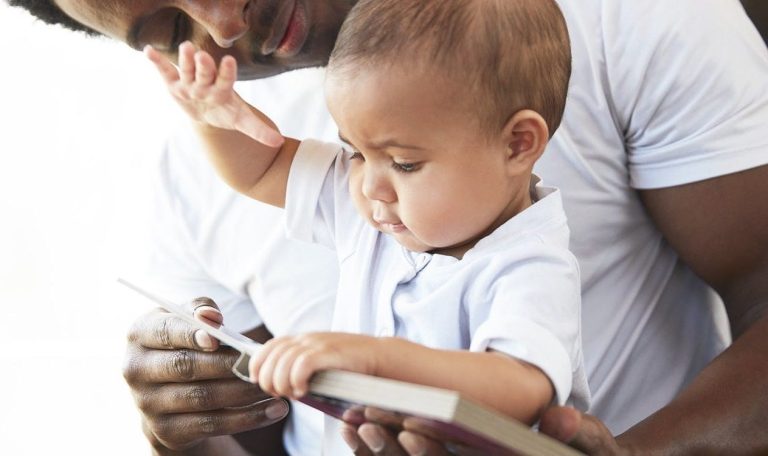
(285, 364)
(207, 94)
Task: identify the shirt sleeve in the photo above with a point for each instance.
(318, 204)
(535, 316)
(689, 84)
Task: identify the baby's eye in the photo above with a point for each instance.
(355, 155)
(405, 167)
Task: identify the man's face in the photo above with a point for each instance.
(265, 36)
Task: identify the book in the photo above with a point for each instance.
(439, 413)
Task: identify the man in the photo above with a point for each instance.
(658, 158)
(758, 12)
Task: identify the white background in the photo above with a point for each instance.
(79, 119)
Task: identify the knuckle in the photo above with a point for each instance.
(199, 397)
(144, 402)
(182, 365)
(209, 424)
(132, 371)
(134, 333)
(162, 332)
(163, 429)
(170, 435)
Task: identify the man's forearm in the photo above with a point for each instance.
(724, 411)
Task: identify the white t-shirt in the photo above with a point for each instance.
(517, 291)
(662, 94)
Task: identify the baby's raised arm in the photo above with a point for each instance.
(242, 143)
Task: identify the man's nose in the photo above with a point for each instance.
(226, 21)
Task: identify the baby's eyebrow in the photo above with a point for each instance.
(383, 145)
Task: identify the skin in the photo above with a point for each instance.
(734, 264)
(249, 30)
(420, 175)
(183, 388)
(421, 171)
(758, 12)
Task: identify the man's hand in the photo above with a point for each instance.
(580, 431)
(207, 93)
(183, 384)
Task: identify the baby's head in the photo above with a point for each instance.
(458, 99)
(504, 55)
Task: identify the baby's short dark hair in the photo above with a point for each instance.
(509, 54)
(48, 12)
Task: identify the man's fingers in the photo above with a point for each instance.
(418, 445)
(161, 330)
(379, 441)
(177, 431)
(205, 310)
(349, 434)
(583, 432)
(202, 396)
(166, 69)
(177, 366)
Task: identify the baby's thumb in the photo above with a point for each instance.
(259, 131)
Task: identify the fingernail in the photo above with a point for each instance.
(203, 340)
(414, 446)
(373, 439)
(278, 409)
(350, 437)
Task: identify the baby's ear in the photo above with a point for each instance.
(526, 135)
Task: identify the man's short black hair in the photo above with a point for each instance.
(48, 12)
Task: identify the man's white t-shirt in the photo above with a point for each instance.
(662, 94)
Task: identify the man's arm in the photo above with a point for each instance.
(758, 12)
(718, 226)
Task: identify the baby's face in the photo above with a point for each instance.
(422, 170)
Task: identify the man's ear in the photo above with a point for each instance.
(526, 135)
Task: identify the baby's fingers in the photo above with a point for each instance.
(205, 69)
(166, 69)
(187, 62)
(251, 125)
(227, 73)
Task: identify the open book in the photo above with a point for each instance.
(436, 412)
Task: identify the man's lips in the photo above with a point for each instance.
(289, 31)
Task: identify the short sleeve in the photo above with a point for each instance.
(535, 316)
(318, 204)
(689, 84)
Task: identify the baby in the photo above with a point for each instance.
(454, 261)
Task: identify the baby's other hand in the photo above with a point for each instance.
(207, 94)
(285, 364)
